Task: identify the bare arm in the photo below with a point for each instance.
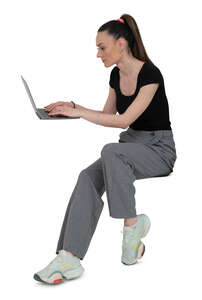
(107, 120)
(108, 116)
(85, 109)
(142, 101)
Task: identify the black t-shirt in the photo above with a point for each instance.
(156, 115)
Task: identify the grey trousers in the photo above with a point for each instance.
(137, 155)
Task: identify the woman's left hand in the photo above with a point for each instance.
(65, 111)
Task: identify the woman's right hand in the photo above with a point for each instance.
(55, 104)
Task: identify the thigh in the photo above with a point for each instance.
(144, 161)
(160, 142)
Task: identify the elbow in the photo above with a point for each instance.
(125, 126)
(124, 122)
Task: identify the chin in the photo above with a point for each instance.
(107, 65)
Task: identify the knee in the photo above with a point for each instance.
(83, 173)
(86, 174)
(108, 149)
(84, 177)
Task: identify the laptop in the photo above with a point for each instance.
(40, 112)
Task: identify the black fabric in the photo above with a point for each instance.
(156, 115)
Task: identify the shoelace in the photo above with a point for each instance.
(58, 259)
(127, 235)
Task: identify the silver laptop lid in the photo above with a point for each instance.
(29, 94)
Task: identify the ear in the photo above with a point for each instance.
(121, 42)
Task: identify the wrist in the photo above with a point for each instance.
(81, 108)
(74, 105)
(81, 112)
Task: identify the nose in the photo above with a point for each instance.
(98, 54)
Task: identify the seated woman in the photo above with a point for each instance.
(146, 149)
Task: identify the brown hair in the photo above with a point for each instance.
(130, 32)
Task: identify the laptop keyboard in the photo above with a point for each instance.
(44, 113)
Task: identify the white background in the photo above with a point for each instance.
(52, 44)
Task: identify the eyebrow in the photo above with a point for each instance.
(99, 44)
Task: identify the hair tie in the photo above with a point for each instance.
(120, 20)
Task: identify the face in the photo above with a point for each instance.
(108, 48)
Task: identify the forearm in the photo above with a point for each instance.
(100, 118)
(84, 109)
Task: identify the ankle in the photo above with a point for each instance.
(69, 252)
(130, 221)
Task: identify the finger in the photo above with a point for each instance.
(56, 108)
(49, 108)
(54, 113)
(52, 106)
(56, 103)
(57, 113)
(49, 105)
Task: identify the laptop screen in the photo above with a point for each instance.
(29, 93)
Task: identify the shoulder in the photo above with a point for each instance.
(151, 68)
(150, 74)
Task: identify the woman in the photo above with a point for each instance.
(146, 149)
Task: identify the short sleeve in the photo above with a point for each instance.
(112, 78)
(151, 75)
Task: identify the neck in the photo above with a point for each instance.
(129, 66)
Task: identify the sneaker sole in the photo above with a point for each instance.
(73, 273)
(140, 254)
(58, 277)
(54, 279)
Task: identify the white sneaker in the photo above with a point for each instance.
(132, 246)
(64, 265)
